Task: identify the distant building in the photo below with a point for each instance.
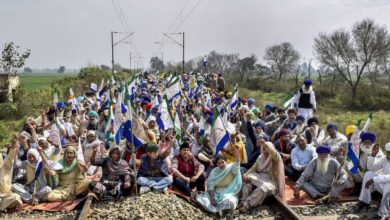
(8, 86)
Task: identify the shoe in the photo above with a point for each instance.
(165, 191)
(144, 189)
(361, 205)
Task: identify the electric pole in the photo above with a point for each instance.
(114, 44)
(183, 54)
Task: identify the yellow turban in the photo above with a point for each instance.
(350, 129)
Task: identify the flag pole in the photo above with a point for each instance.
(134, 155)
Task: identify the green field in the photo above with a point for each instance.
(38, 80)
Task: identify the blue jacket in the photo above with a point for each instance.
(145, 166)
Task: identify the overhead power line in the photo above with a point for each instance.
(164, 39)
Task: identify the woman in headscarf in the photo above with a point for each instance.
(35, 189)
(223, 185)
(50, 150)
(151, 121)
(116, 180)
(72, 181)
(90, 143)
(265, 178)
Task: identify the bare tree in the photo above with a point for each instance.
(349, 53)
(246, 65)
(282, 58)
(296, 77)
(309, 69)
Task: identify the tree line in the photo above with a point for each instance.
(346, 57)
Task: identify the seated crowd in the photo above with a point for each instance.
(68, 152)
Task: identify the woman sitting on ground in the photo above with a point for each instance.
(223, 185)
(116, 180)
(265, 178)
(35, 189)
(229, 151)
(72, 180)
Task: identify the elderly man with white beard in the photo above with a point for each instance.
(373, 181)
(323, 178)
(367, 143)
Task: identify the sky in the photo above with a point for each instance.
(77, 33)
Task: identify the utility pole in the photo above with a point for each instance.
(112, 52)
(180, 44)
(162, 58)
(183, 54)
(130, 61)
(114, 44)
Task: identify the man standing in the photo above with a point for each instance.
(377, 182)
(221, 83)
(187, 170)
(305, 100)
(301, 156)
(323, 177)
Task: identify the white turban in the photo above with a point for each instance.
(387, 147)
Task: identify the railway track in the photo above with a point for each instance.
(85, 211)
(274, 202)
(283, 208)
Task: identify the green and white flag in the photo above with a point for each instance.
(177, 125)
(173, 88)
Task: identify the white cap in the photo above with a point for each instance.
(91, 132)
(245, 107)
(387, 147)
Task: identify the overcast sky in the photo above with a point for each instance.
(76, 33)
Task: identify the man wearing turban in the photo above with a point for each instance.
(335, 141)
(323, 179)
(305, 100)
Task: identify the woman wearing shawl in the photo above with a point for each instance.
(116, 180)
(7, 198)
(223, 185)
(92, 142)
(151, 122)
(72, 181)
(35, 189)
(265, 178)
(50, 150)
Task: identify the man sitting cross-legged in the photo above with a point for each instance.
(322, 176)
(153, 172)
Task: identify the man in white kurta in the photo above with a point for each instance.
(373, 181)
(335, 141)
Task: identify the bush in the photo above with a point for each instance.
(93, 73)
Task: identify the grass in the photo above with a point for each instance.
(380, 124)
(35, 81)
